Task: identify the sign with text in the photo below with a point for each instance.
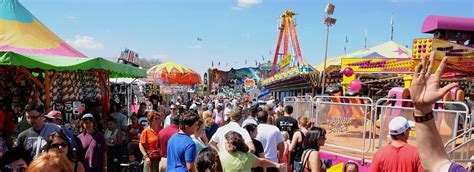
(285, 61)
(152, 89)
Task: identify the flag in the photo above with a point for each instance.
(347, 40)
(218, 64)
(365, 38)
(212, 64)
(256, 63)
(263, 59)
(131, 56)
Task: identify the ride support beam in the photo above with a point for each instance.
(275, 58)
(295, 39)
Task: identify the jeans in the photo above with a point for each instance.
(297, 166)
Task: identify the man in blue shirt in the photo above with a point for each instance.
(181, 149)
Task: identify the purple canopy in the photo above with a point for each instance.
(433, 23)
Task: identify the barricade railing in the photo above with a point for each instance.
(448, 122)
(341, 117)
(302, 105)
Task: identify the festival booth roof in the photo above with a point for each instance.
(388, 49)
(127, 81)
(61, 63)
(172, 73)
(25, 41)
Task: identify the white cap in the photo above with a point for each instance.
(398, 125)
(249, 121)
(88, 115)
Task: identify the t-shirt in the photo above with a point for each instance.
(164, 136)
(167, 121)
(456, 168)
(237, 161)
(288, 124)
(35, 140)
(134, 132)
(395, 159)
(181, 150)
(219, 136)
(210, 131)
(150, 139)
(93, 147)
(199, 144)
(258, 150)
(270, 136)
(143, 120)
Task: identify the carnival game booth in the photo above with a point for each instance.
(379, 68)
(174, 80)
(129, 93)
(38, 66)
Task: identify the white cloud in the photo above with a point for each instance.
(85, 42)
(197, 46)
(246, 4)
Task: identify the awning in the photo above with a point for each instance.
(60, 63)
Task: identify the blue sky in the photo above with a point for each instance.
(232, 31)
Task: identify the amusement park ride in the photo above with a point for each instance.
(289, 74)
(357, 126)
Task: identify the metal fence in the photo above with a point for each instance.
(360, 125)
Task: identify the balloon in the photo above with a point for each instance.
(355, 85)
(348, 71)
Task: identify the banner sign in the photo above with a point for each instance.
(285, 61)
(172, 89)
(152, 89)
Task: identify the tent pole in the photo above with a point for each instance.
(35, 80)
(47, 85)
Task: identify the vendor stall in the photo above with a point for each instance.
(37, 66)
(175, 80)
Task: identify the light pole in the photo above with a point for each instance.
(328, 21)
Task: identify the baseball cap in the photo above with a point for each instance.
(398, 125)
(54, 115)
(173, 107)
(249, 121)
(87, 115)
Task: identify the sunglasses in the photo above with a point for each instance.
(12, 168)
(57, 145)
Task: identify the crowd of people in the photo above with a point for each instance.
(213, 134)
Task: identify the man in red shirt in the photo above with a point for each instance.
(163, 137)
(398, 155)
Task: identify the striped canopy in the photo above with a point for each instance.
(172, 73)
(23, 33)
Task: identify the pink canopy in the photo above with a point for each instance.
(433, 23)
